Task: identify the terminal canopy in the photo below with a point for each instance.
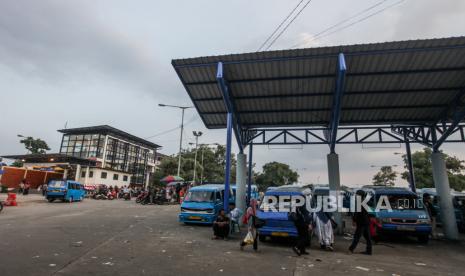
(404, 82)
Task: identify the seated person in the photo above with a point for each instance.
(221, 226)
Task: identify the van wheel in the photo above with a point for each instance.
(262, 238)
(50, 199)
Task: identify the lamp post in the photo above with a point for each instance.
(183, 108)
(197, 134)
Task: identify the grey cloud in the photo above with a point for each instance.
(63, 41)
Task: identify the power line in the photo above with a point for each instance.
(362, 19)
(287, 26)
(343, 21)
(173, 129)
(325, 34)
(279, 26)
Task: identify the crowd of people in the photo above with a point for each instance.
(319, 224)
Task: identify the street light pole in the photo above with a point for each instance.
(197, 134)
(183, 108)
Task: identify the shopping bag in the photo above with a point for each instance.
(248, 238)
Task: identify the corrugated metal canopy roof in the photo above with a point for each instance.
(403, 82)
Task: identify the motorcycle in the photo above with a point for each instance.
(127, 196)
(141, 196)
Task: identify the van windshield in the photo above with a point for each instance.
(57, 184)
(200, 196)
(402, 202)
(269, 203)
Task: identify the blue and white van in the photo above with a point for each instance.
(65, 190)
(278, 224)
(254, 191)
(458, 201)
(408, 215)
(203, 203)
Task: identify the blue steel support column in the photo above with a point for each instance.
(227, 174)
(336, 114)
(249, 179)
(332, 157)
(411, 173)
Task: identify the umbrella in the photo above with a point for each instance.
(171, 178)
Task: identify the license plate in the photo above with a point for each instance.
(405, 228)
(194, 218)
(280, 234)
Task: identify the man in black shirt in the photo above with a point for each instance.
(302, 221)
(221, 226)
(362, 222)
(432, 213)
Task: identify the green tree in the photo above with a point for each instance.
(17, 163)
(385, 177)
(35, 146)
(275, 174)
(423, 171)
(212, 171)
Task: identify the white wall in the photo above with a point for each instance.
(96, 178)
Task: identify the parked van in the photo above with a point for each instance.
(254, 191)
(65, 190)
(202, 204)
(458, 200)
(278, 224)
(408, 215)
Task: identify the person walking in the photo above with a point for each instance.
(432, 213)
(44, 189)
(303, 223)
(249, 219)
(21, 186)
(324, 229)
(362, 224)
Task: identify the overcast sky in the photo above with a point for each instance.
(108, 62)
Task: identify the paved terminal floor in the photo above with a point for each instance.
(99, 237)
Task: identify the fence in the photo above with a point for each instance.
(12, 176)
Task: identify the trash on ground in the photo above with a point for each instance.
(420, 264)
(108, 263)
(362, 268)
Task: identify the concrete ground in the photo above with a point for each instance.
(124, 238)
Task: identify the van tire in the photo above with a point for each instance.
(262, 238)
(50, 199)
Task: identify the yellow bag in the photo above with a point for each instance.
(248, 238)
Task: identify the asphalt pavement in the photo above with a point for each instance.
(99, 237)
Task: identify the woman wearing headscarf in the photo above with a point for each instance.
(324, 229)
(249, 219)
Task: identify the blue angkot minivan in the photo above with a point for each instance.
(202, 204)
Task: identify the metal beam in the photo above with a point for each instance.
(458, 117)
(322, 109)
(411, 173)
(319, 56)
(230, 106)
(337, 102)
(227, 169)
(329, 94)
(250, 176)
(357, 74)
(348, 135)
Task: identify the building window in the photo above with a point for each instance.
(125, 178)
(115, 176)
(83, 174)
(103, 175)
(91, 174)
